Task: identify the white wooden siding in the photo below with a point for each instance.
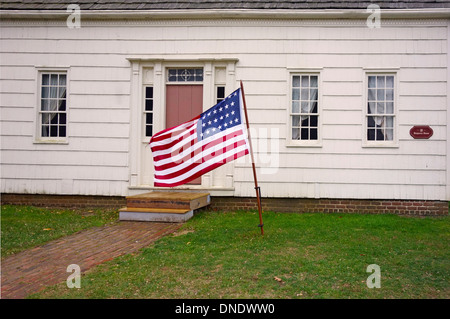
(96, 158)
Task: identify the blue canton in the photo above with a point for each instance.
(222, 116)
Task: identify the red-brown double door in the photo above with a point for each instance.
(183, 102)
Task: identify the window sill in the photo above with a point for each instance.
(379, 145)
(62, 142)
(315, 144)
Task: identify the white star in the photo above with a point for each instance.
(226, 106)
(209, 122)
(215, 111)
(203, 125)
(220, 127)
(215, 120)
(207, 132)
(232, 103)
(204, 116)
(225, 125)
(226, 115)
(220, 109)
(236, 120)
(231, 122)
(213, 129)
(232, 112)
(221, 117)
(209, 113)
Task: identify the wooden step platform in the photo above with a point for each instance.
(174, 207)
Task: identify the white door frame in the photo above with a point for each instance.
(153, 71)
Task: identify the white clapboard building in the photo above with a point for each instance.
(346, 99)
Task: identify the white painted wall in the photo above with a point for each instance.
(96, 159)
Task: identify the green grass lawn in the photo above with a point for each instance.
(24, 227)
(223, 255)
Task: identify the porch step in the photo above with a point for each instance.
(175, 207)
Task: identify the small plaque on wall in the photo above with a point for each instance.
(421, 132)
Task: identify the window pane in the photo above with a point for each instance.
(45, 130)
(389, 81)
(305, 94)
(296, 81)
(62, 105)
(54, 79)
(296, 94)
(371, 109)
(305, 81)
(45, 79)
(62, 80)
(295, 107)
(295, 133)
(313, 134)
(62, 92)
(148, 130)
(313, 83)
(380, 94)
(389, 134)
(371, 95)
(380, 107)
(305, 120)
(149, 105)
(53, 92)
(313, 120)
(148, 92)
(54, 131)
(149, 118)
(372, 82)
(313, 94)
(220, 92)
(62, 131)
(45, 105)
(296, 120)
(45, 118)
(305, 134)
(390, 95)
(54, 118)
(389, 108)
(62, 118)
(305, 107)
(389, 122)
(380, 82)
(45, 92)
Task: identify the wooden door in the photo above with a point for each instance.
(183, 102)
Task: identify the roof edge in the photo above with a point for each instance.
(227, 14)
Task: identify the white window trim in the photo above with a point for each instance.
(380, 144)
(38, 138)
(304, 143)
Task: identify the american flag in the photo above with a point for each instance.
(189, 150)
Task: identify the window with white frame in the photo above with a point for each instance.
(304, 113)
(53, 106)
(380, 115)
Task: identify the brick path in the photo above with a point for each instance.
(32, 270)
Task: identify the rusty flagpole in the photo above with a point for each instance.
(257, 188)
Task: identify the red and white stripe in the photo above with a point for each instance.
(180, 157)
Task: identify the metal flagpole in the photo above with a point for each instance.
(257, 188)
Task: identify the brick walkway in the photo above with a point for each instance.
(32, 270)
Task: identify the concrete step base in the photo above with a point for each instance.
(155, 215)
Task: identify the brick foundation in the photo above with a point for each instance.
(301, 205)
(294, 205)
(64, 201)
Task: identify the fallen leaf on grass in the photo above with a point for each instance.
(278, 279)
(47, 229)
